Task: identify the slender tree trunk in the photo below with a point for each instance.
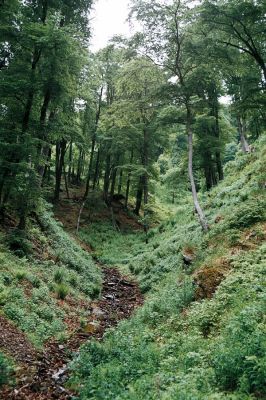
(93, 142)
(198, 209)
(113, 180)
(96, 173)
(46, 170)
(120, 181)
(106, 178)
(243, 140)
(139, 196)
(29, 102)
(128, 180)
(90, 166)
(60, 154)
(145, 181)
(70, 159)
(66, 182)
(44, 147)
(79, 168)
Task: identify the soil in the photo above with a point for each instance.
(42, 375)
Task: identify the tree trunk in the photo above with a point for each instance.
(198, 209)
(96, 173)
(70, 159)
(243, 140)
(139, 196)
(29, 102)
(128, 180)
(44, 147)
(46, 170)
(79, 168)
(93, 142)
(145, 181)
(113, 181)
(120, 181)
(66, 182)
(60, 154)
(106, 179)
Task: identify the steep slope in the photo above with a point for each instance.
(201, 331)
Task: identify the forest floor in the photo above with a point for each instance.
(41, 374)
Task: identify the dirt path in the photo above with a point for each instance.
(42, 375)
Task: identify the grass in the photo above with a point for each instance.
(181, 345)
(31, 285)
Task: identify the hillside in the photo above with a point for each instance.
(201, 331)
(132, 200)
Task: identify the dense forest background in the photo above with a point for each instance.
(69, 116)
(169, 126)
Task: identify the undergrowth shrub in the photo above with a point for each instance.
(59, 276)
(5, 370)
(19, 243)
(61, 291)
(247, 214)
(239, 355)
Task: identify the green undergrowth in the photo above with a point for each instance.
(32, 287)
(178, 346)
(6, 370)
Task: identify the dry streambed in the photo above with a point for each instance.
(42, 375)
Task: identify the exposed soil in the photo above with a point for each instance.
(42, 375)
(67, 211)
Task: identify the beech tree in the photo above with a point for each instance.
(167, 41)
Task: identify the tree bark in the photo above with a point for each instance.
(145, 180)
(106, 178)
(243, 140)
(96, 173)
(202, 219)
(128, 180)
(113, 181)
(120, 181)
(93, 142)
(139, 196)
(60, 154)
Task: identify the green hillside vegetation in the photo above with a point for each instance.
(32, 283)
(133, 202)
(201, 332)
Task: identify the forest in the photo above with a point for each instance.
(133, 202)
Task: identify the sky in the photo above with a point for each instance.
(107, 20)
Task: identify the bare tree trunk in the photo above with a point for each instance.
(243, 140)
(66, 183)
(139, 196)
(113, 181)
(96, 173)
(145, 181)
(199, 211)
(106, 178)
(120, 181)
(93, 142)
(128, 180)
(60, 154)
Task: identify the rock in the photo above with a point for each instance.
(59, 374)
(91, 327)
(98, 312)
(188, 258)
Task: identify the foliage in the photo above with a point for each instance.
(208, 349)
(5, 370)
